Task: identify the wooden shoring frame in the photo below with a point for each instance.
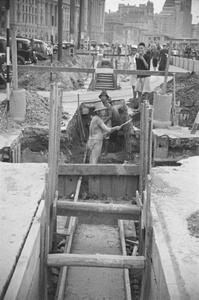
(69, 239)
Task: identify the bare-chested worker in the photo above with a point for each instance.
(97, 131)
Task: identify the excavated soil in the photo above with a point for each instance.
(187, 94)
(193, 224)
(39, 80)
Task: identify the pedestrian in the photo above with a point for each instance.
(132, 65)
(97, 130)
(155, 57)
(143, 81)
(163, 58)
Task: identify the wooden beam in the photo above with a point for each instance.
(92, 70)
(99, 169)
(96, 260)
(126, 271)
(145, 72)
(124, 212)
(54, 69)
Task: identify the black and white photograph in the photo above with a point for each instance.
(99, 149)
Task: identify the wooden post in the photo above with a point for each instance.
(167, 69)
(60, 27)
(96, 260)
(123, 212)
(174, 101)
(141, 148)
(150, 140)
(146, 277)
(14, 59)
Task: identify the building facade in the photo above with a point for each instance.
(175, 18)
(33, 19)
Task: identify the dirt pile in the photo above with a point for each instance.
(187, 94)
(40, 80)
(37, 113)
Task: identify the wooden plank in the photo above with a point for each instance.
(94, 185)
(195, 125)
(99, 169)
(70, 184)
(25, 269)
(138, 200)
(126, 271)
(148, 243)
(141, 148)
(81, 208)
(167, 69)
(146, 142)
(174, 101)
(96, 260)
(150, 142)
(145, 72)
(91, 70)
(54, 69)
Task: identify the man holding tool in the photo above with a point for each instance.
(97, 132)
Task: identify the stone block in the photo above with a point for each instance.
(18, 105)
(196, 66)
(190, 67)
(185, 63)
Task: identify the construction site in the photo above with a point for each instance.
(126, 228)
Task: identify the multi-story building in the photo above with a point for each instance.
(33, 18)
(141, 16)
(175, 18)
(113, 29)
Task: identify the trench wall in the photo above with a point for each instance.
(189, 64)
(26, 282)
(163, 283)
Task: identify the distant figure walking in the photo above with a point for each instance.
(132, 65)
(155, 56)
(163, 58)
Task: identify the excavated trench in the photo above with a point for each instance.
(123, 148)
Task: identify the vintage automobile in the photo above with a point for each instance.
(25, 50)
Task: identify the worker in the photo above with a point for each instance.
(97, 131)
(107, 119)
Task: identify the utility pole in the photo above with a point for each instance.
(60, 30)
(89, 23)
(72, 19)
(8, 54)
(80, 23)
(51, 55)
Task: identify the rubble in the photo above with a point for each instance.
(40, 80)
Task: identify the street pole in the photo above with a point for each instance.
(51, 56)
(8, 54)
(60, 30)
(14, 59)
(89, 23)
(80, 23)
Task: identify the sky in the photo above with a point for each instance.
(158, 4)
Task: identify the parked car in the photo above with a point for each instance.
(40, 49)
(25, 51)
